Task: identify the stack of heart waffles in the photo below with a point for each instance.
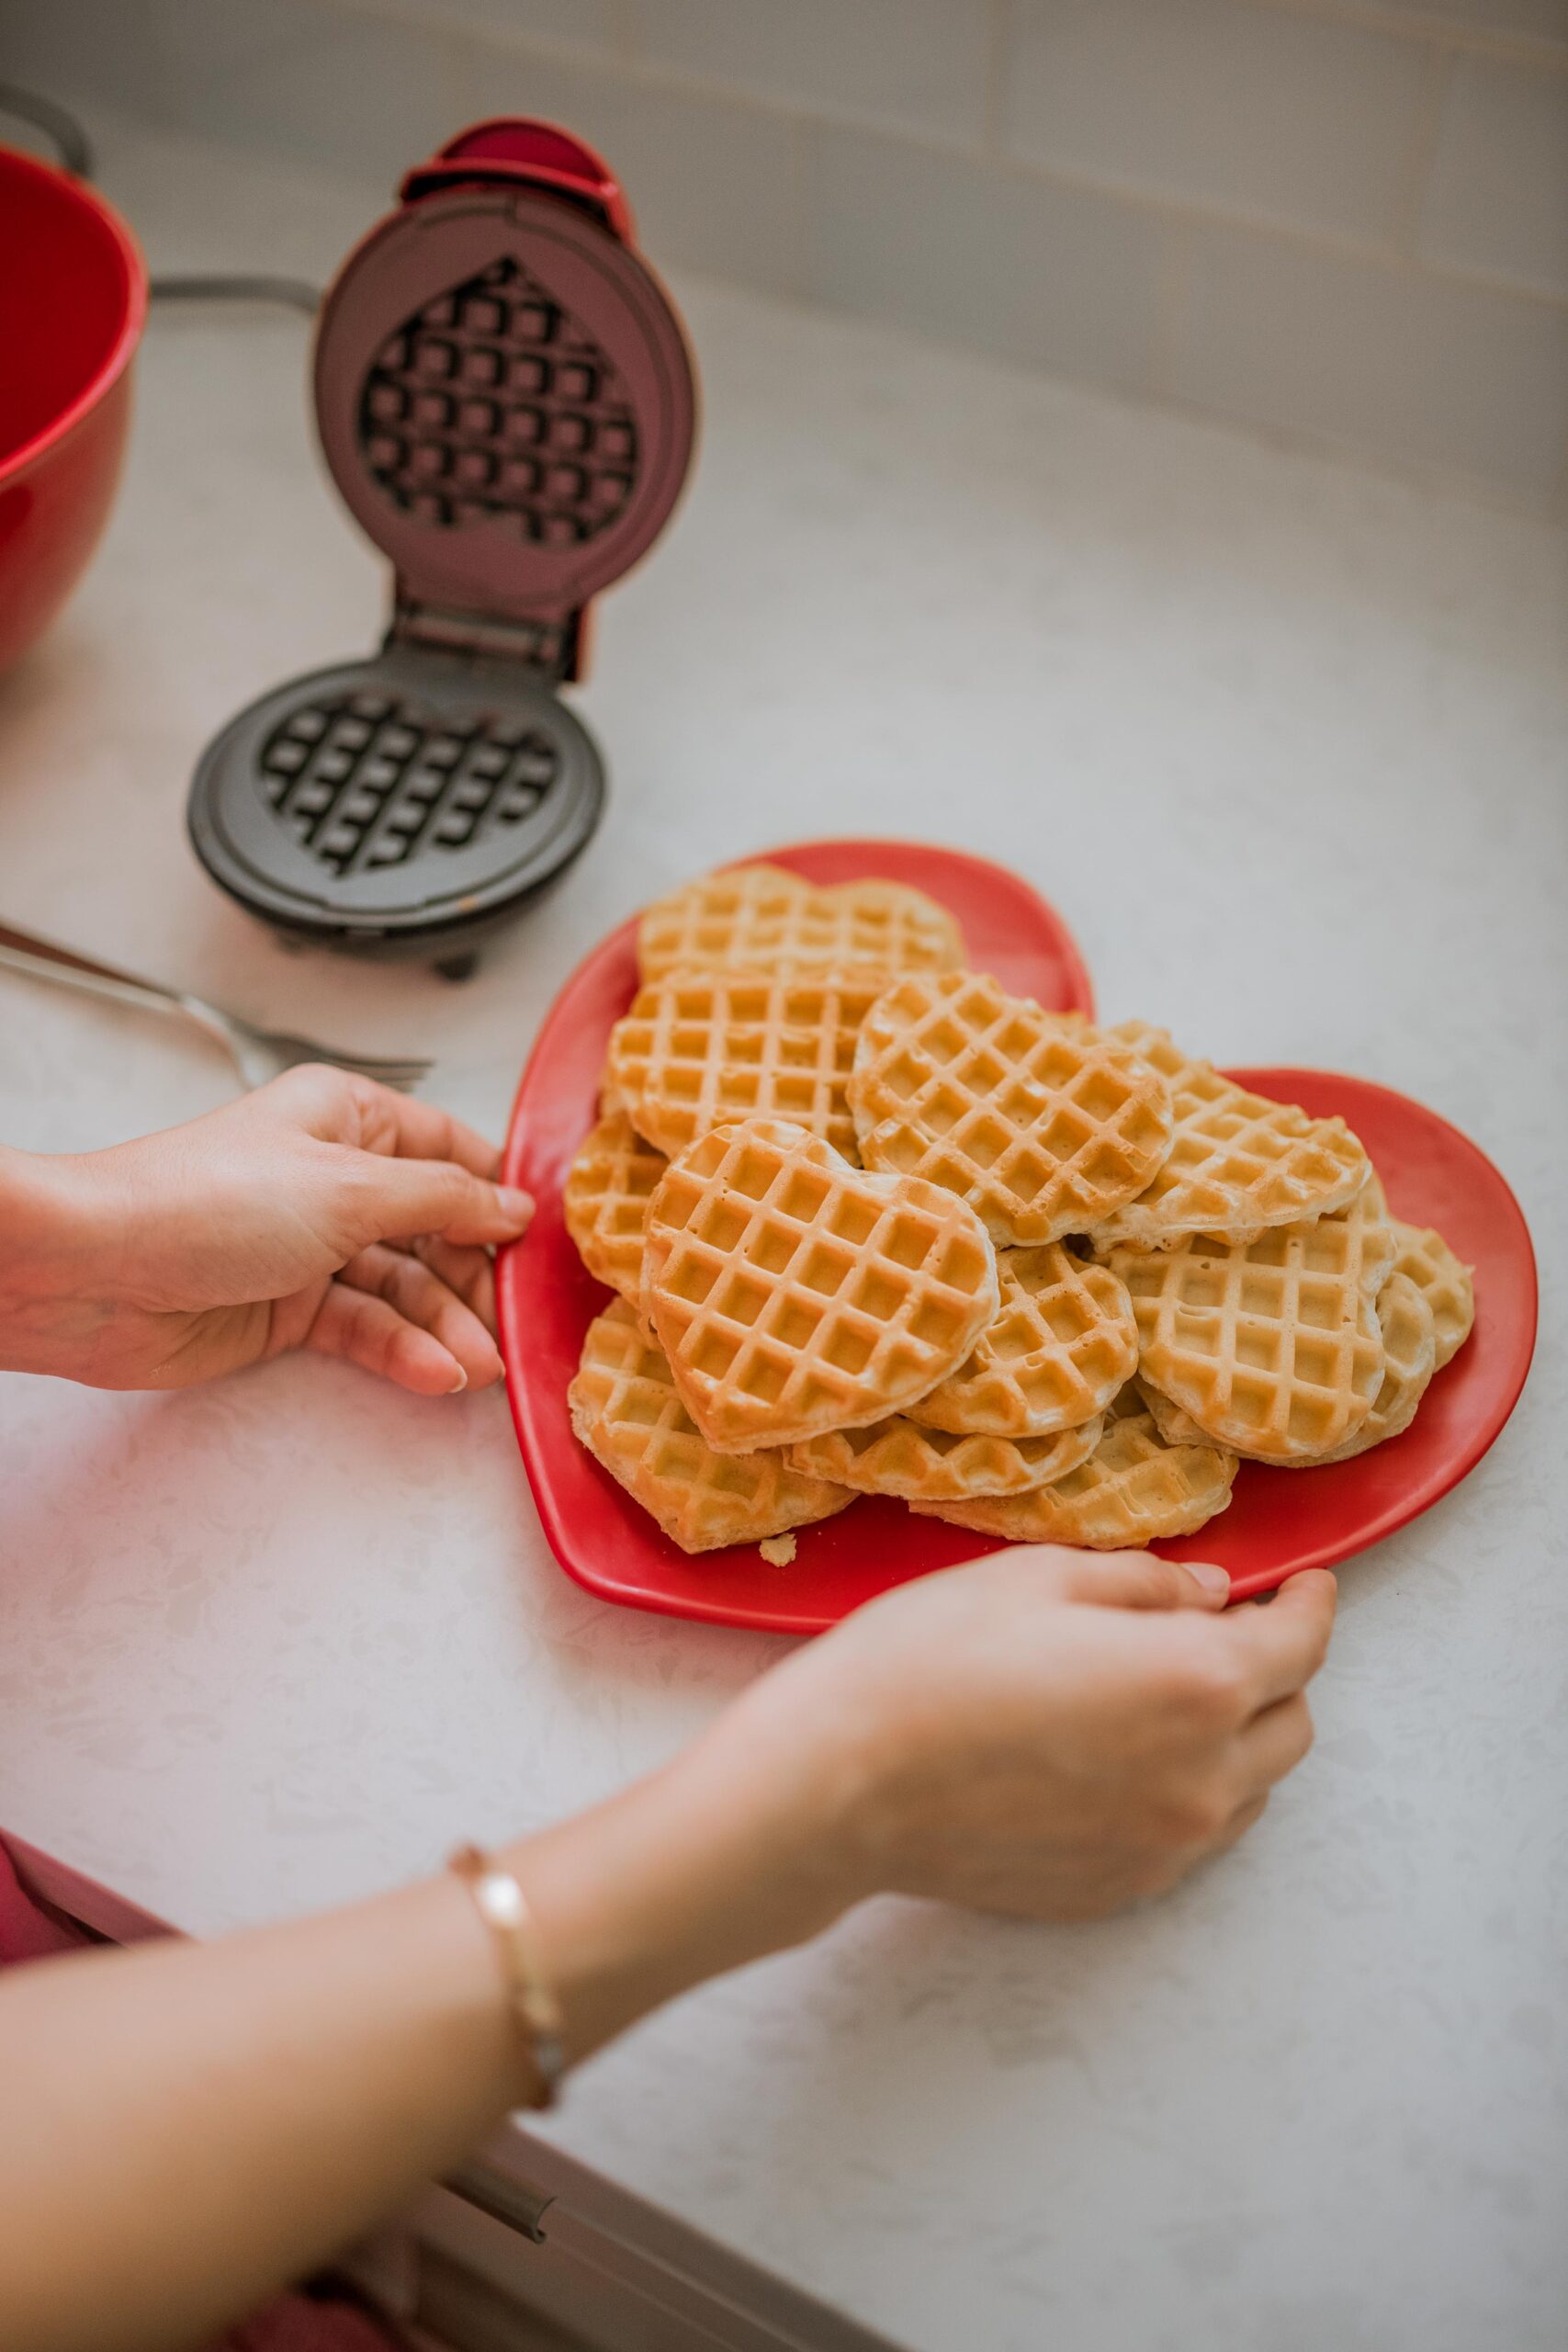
(879, 1228)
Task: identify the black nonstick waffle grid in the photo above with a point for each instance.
(361, 782)
(493, 404)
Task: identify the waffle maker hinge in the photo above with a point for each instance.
(552, 648)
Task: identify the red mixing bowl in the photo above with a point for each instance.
(73, 301)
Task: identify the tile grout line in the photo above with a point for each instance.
(1420, 155)
(1000, 31)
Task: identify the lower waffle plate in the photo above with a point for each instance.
(1279, 1522)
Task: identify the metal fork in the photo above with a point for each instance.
(258, 1053)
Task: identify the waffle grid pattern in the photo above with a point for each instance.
(1271, 1346)
(898, 1457)
(493, 405)
(1237, 1162)
(1444, 1281)
(1063, 1344)
(1409, 1341)
(367, 780)
(1042, 1126)
(795, 1294)
(604, 1202)
(699, 1049)
(625, 1410)
(762, 918)
(1132, 1489)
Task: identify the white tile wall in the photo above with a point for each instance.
(910, 64)
(367, 91)
(1465, 377)
(1342, 220)
(1059, 278)
(712, 185)
(1534, 20)
(1497, 198)
(601, 28)
(1257, 112)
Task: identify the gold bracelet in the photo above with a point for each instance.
(504, 1908)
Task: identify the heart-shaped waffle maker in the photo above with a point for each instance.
(506, 404)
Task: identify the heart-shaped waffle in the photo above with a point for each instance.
(1042, 1125)
(1237, 1162)
(626, 1411)
(1132, 1489)
(795, 1294)
(604, 1202)
(898, 1457)
(1445, 1282)
(764, 918)
(1273, 1345)
(1063, 1344)
(699, 1049)
(1409, 1346)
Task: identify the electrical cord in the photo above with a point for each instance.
(76, 152)
(294, 292)
(71, 140)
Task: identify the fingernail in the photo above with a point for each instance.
(1214, 1581)
(461, 1381)
(514, 1203)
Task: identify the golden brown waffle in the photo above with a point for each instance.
(699, 1049)
(1238, 1163)
(604, 1202)
(626, 1411)
(763, 919)
(1041, 1126)
(796, 1293)
(1271, 1346)
(898, 1457)
(1132, 1489)
(1409, 1341)
(1064, 1343)
(1175, 1427)
(1372, 1234)
(1446, 1282)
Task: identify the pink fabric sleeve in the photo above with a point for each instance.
(29, 1930)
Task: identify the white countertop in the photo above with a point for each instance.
(1286, 742)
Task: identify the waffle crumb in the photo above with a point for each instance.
(778, 1550)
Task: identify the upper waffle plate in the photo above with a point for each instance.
(1279, 1520)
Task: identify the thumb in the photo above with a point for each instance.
(393, 1199)
(1136, 1580)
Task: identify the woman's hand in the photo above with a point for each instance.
(1045, 1732)
(322, 1211)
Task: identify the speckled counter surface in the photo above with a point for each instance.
(1288, 745)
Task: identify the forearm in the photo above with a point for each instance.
(189, 2126)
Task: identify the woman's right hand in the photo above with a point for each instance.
(1044, 1732)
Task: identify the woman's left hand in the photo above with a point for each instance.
(321, 1212)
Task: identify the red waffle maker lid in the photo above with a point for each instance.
(505, 398)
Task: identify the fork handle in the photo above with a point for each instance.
(44, 960)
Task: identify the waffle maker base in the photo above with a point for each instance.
(406, 806)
